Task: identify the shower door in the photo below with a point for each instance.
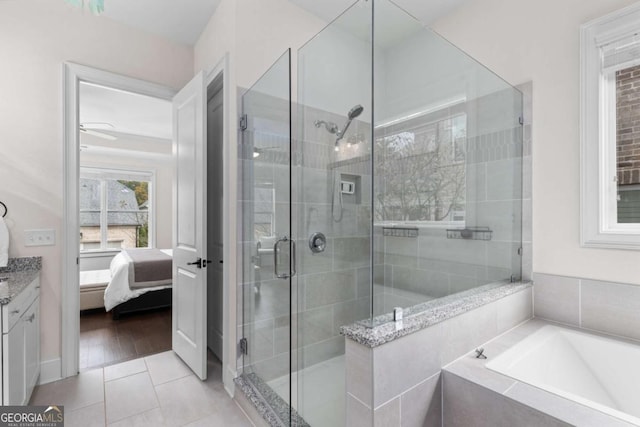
(332, 195)
(266, 245)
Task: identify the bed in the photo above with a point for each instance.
(140, 280)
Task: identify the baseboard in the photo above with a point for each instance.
(50, 371)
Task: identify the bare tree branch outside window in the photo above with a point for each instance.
(420, 172)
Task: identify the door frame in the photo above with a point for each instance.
(222, 69)
(73, 75)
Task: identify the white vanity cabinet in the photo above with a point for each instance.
(21, 345)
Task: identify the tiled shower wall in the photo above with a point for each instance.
(498, 194)
(334, 285)
(330, 289)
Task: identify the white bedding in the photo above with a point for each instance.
(118, 290)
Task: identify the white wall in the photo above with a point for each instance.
(266, 28)
(524, 40)
(414, 81)
(335, 70)
(36, 36)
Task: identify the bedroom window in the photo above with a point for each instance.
(115, 209)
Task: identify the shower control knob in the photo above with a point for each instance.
(317, 242)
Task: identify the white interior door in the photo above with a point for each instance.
(189, 228)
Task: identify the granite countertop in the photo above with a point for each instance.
(19, 272)
(427, 314)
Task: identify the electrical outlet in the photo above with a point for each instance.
(39, 237)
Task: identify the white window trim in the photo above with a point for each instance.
(598, 216)
(113, 173)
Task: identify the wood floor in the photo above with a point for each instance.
(104, 341)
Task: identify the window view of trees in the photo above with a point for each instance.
(141, 190)
(420, 171)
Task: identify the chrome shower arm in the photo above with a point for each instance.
(329, 126)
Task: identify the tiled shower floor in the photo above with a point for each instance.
(321, 390)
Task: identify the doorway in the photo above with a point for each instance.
(75, 77)
(125, 219)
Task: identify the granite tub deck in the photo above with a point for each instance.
(393, 371)
(16, 276)
(427, 314)
(476, 395)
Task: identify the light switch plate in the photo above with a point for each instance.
(39, 237)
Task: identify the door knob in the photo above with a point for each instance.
(200, 263)
(197, 263)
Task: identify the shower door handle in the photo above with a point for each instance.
(292, 246)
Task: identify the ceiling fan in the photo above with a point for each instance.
(94, 128)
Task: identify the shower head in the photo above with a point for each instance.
(332, 128)
(352, 114)
(355, 112)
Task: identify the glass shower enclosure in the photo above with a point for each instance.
(393, 180)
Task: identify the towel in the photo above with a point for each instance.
(4, 243)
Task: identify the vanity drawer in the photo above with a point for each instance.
(12, 312)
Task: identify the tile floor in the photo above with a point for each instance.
(157, 390)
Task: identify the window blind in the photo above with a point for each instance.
(622, 53)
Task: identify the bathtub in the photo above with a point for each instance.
(595, 371)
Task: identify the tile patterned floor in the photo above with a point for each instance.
(157, 391)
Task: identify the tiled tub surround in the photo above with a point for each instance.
(20, 273)
(476, 395)
(609, 307)
(400, 378)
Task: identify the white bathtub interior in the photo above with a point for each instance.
(593, 370)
